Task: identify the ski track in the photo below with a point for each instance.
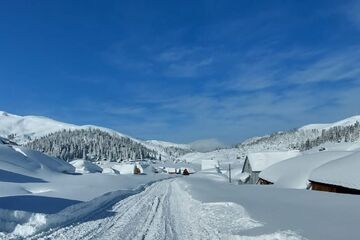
(164, 210)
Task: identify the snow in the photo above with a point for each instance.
(170, 170)
(262, 160)
(230, 155)
(295, 172)
(244, 176)
(127, 168)
(124, 168)
(28, 128)
(341, 172)
(209, 164)
(84, 166)
(200, 206)
(282, 213)
(20, 160)
(345, 122)
(162, 144)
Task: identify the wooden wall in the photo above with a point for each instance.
(332, 188)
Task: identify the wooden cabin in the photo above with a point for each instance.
(338, 176)
(257, 162)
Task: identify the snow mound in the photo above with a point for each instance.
(295, 172)
(21, 160)
(341, 172)
(84, 166)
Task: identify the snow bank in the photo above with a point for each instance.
(84, 166)
(295, 172)
(22, 224)
(22, 160)
(341, 172)
(261, 160)
(283, 213)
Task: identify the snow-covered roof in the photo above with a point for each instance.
(295, 172)
(84, 166)
(262, 160)
(344, 172)
(244, 176)
(170, 170)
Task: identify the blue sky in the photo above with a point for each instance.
(182, 70)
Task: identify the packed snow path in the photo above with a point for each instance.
(163, 211)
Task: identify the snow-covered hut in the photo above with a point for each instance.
(295, 172)
(340, 176)
(257, 162)
(85, 166)
(170, 170)
(128, 168)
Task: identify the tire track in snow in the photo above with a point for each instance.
(164, 210)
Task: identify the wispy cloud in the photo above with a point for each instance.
(338, 66)
(188, 69)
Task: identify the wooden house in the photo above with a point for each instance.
(339, 176)
(257, 162)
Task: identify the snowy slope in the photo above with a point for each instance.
(294, 139)
(345, 122)
(28, 128)
(231, 155)
(16, 159)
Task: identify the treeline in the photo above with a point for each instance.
(91, 144)
(349, 133)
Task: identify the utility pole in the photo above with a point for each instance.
(229, 173)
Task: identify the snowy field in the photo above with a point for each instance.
(45, 198)
(201, 206)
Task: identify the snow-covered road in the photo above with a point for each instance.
(162, 211)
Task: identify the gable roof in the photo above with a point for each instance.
(295, 172)
(343, 172)
(261, 160)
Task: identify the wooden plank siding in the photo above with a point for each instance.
(254, 176)
(317, 186)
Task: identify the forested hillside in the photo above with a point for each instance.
(91, 144)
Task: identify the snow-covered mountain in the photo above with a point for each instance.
(305, 137)
(25, 129)
(342, 123)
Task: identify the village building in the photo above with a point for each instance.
(295, 172)
(128, 168)
(339, 176)
(257, 162)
